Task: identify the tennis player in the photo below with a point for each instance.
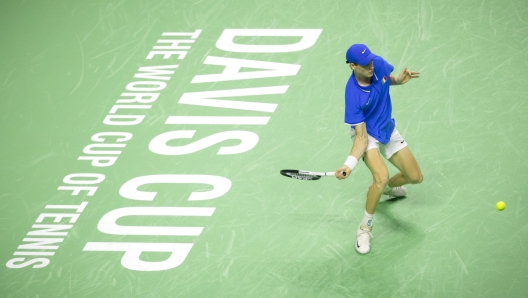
(368, 111)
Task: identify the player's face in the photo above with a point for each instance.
(366, 71)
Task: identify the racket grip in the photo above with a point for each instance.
(344, 174)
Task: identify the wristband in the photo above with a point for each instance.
(351, 162)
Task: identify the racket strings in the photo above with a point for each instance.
(303, 176)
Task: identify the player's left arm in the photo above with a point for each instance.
(404, 77)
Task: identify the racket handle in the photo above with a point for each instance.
(344, 174)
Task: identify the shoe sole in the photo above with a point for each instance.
(363, 253)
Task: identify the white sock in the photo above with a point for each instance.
(367, 219)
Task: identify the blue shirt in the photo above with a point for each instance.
(371, 104)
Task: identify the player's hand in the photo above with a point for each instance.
(406, 75)
(339, 172)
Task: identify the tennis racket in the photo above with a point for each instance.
(306, 175)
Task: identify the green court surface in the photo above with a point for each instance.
(180, 195)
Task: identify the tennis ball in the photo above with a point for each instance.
(500, 205)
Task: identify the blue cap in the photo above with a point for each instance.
(359, 54)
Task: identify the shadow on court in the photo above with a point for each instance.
(341, 272)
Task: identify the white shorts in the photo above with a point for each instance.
(395, 144)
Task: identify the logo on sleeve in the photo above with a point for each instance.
(384, 79)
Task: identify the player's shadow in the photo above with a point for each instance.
(340, 271)
(393, 200)
(399, 235)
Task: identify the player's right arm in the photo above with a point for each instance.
(358, 149)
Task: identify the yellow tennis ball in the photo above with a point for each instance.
(500, 205)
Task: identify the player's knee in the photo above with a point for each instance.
(381, 181)
(416, 178)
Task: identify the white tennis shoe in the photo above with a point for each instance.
(395, 192)
(363, 236)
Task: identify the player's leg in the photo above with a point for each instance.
(399, 154)
(410, 172)
(380, 177)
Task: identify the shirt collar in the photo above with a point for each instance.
(364, 88)
(374, 78)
